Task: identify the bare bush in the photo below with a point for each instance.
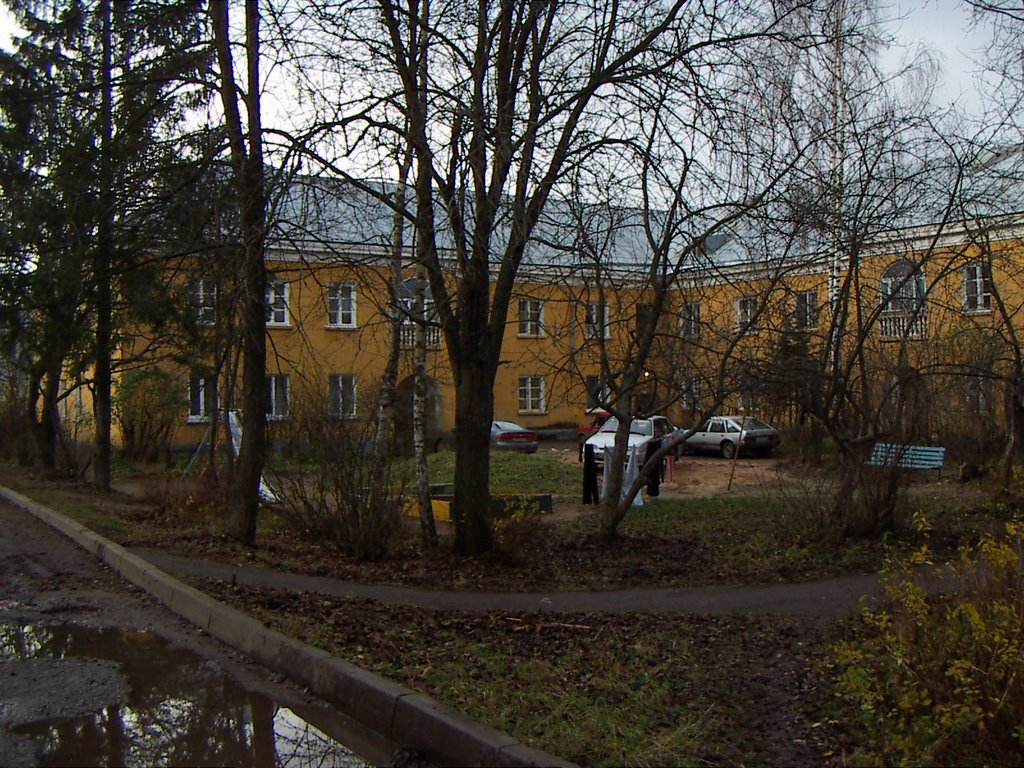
(188, 501)
(340, 489)
(805, 501)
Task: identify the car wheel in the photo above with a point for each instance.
(728, 449)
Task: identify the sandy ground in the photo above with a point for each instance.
(690, 475)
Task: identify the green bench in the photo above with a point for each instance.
(911, 457)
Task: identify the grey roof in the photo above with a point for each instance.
(327, 215)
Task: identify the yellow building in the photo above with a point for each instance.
(739, 330)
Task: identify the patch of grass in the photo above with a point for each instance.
(758, 538)
(81, 503)
(597, 689)
(513, 472)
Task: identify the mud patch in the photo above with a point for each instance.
(57, 689)
(74, 695)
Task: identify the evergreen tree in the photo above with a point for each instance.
(91, 103)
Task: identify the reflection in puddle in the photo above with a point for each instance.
(71, 695)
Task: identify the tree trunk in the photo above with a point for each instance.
(389, 381)
(46, 422)
(247, 163)
(612, 510)
(474, 410)
(428, 527)
(249, 470)
(102, 261)
(1014, 431)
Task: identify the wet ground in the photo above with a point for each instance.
(76, 695)
(94, 672)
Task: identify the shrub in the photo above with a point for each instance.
(193, 501)
(148, 405)
(346, 493)
(15, 425)
(941, 680)
(520, 529)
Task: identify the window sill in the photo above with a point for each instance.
(531, 335)
(197, 420)
(533, 413)
(277, 418)
(335, 327)
(279, 325)
(979, 311)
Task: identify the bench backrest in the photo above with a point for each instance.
(908, 456)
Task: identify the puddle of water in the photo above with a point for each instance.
(72, 695)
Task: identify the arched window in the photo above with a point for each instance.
(901, 294)
(902, 288)
(407, 297)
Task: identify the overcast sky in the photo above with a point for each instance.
(941, 25)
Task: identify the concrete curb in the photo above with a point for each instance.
(408, 719)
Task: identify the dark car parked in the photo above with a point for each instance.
(722, 434)
(508, 435)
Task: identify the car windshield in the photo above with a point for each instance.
(507, 426)
(751, 423)
(636, 427)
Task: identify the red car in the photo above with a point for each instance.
(583, 431)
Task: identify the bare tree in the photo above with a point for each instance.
(883, 170)
(500, 104)
(246, 152)
(711, 151)
(996, 143)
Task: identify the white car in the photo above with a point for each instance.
(641, 432)
(722, 434)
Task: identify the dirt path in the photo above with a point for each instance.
(830, 599)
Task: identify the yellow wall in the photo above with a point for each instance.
(308, 350)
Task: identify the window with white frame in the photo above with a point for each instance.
(531, 394)
(977, 287)
(746, 314)
(597, 392)
(691, 395)
(531, 317)
(805, 311)
(277, 302)
(978, 396)
(341, 305)
(342, 395)
(413, 295)
(748, 401)
(202, 397)
(689, 320)
(596, 326)
(203, 294)
(278, 394)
